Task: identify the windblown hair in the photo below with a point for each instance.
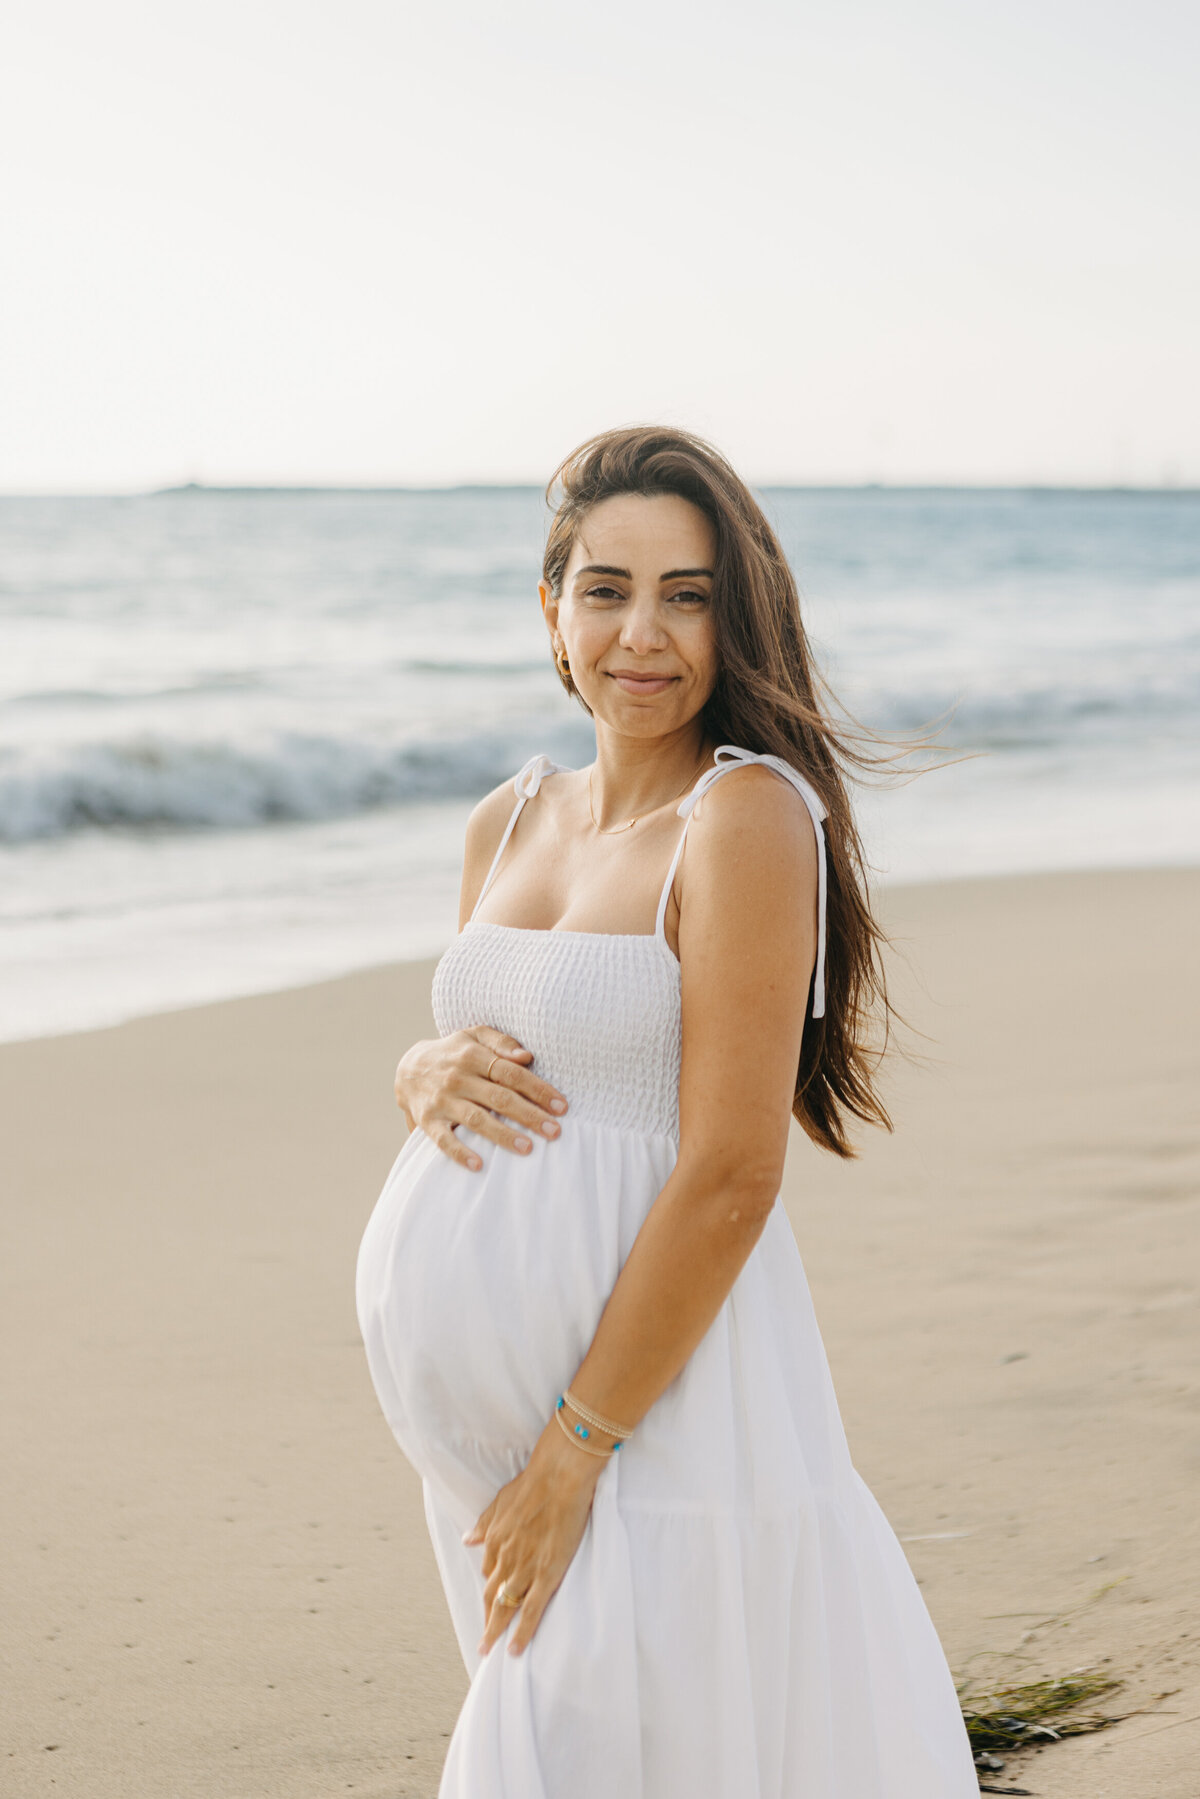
(769, 697)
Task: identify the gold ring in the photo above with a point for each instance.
(504, 1597)
(491, 1065)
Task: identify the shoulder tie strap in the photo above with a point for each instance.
(526, 782)
(727, 756)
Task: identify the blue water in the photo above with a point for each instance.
(240, 732)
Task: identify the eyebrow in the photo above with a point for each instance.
(672, 574)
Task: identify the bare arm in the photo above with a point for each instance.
(747, 942)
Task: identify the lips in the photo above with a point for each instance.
(629, 682)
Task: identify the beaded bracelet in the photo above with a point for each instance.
(586, 1447)
(593, 1419)
(596, 1418)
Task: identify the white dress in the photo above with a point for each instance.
(739, 1621)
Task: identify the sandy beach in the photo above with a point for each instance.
(217, 1575)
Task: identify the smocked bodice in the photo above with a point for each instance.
(600, 1013)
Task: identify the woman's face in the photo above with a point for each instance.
(634, 619)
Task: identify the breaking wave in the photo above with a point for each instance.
(149, 781)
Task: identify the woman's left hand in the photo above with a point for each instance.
(530, 1533)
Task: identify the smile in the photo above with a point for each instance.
(642, 683)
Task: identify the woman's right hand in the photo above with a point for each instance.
(446, 1082)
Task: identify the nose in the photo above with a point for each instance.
(642, 629)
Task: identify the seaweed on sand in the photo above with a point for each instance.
(1026, 1715)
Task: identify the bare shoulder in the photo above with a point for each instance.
(747, 950)
(751, 867)
(754, 814)
(485, 827)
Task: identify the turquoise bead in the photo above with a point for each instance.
(580, 1431)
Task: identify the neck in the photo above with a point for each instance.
(633, 775)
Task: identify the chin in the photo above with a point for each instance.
(647, 720)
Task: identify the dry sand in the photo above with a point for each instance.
(217, 1578)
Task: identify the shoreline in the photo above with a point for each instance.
(219, 1571)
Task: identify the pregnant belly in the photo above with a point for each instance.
(479, 1293)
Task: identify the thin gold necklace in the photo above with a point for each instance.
(630, 822)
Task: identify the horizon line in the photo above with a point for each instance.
(355, 489)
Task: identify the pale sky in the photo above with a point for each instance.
(371, 242)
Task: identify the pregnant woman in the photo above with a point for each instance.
(584, 1310)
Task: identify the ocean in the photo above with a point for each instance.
(241, 731)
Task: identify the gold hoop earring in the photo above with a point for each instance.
(562, 665)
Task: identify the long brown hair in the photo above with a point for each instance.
(769, 697)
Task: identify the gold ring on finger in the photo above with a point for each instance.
(492, 1064)
(504, 1597)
